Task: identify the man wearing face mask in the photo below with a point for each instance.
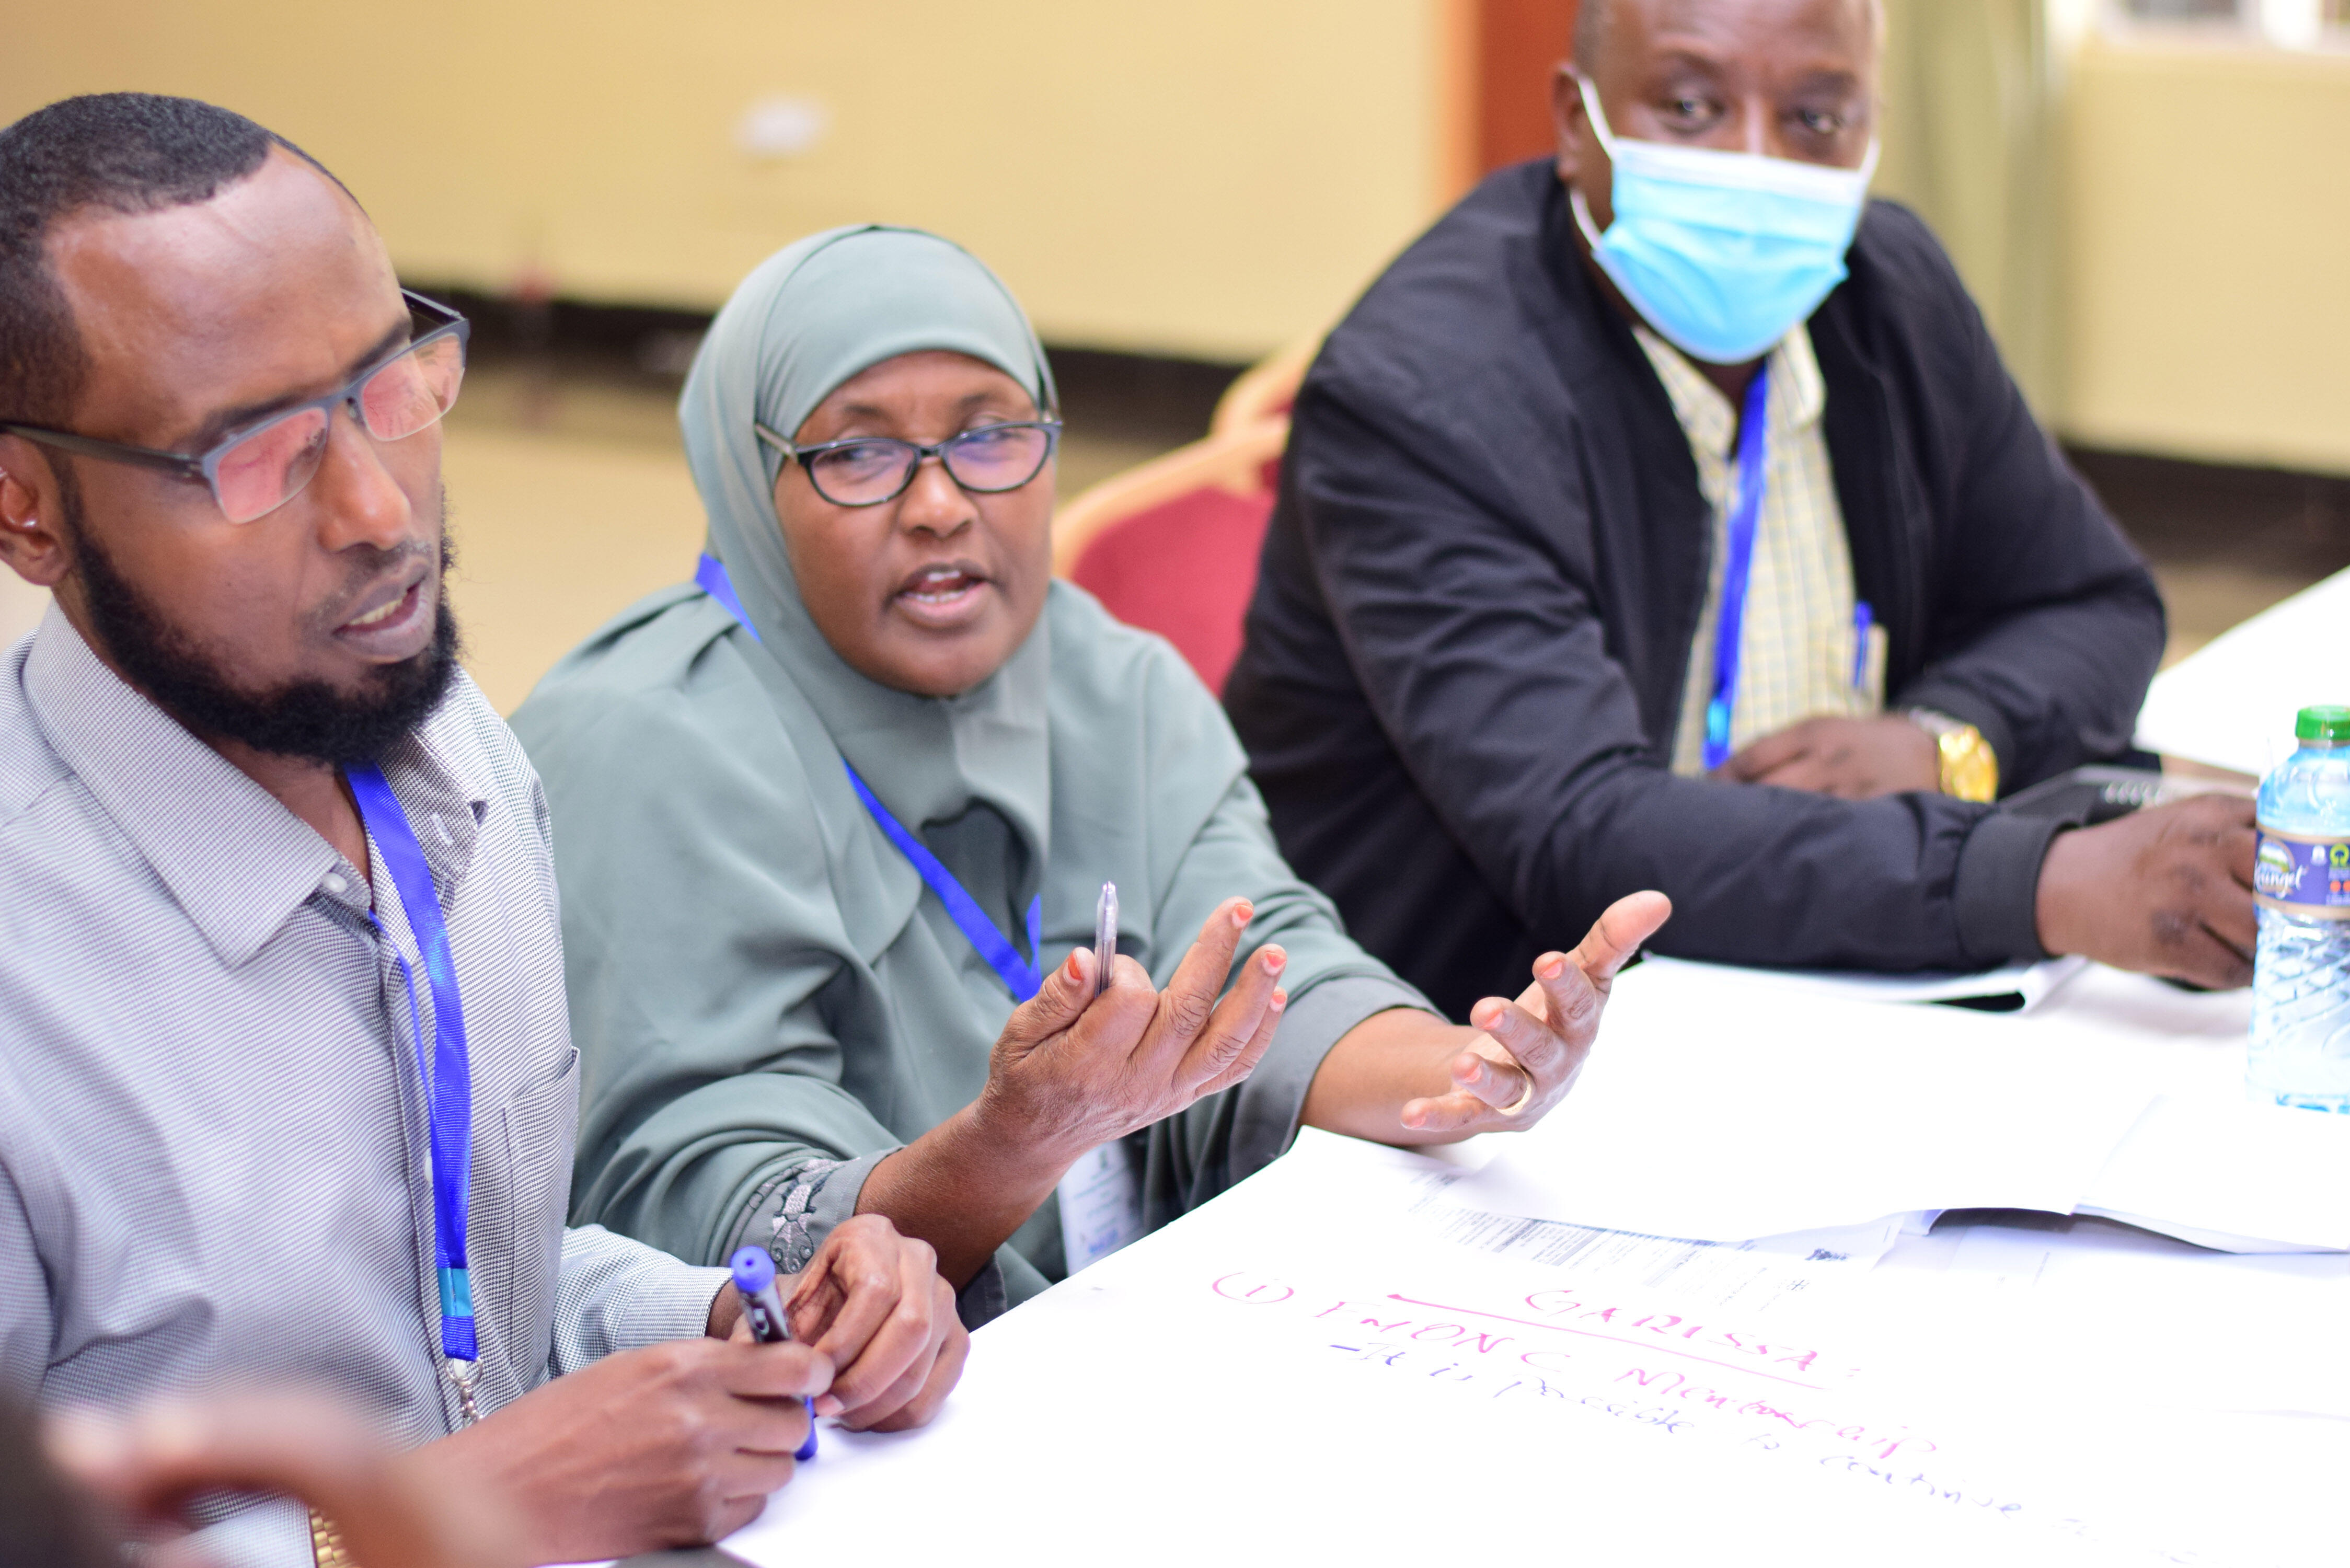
(1664, 517)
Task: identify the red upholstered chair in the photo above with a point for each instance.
(1265, 390)
(1171, 546)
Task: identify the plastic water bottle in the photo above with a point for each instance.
(2301, 976)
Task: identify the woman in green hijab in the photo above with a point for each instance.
(831, 823)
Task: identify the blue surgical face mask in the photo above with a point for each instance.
(1722, 252)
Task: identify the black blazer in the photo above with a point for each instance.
(1466, 651)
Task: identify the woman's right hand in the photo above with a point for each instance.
(1073, 1070)
(1070, 1072)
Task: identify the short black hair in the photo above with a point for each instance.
(129, 151)
(1591, 27)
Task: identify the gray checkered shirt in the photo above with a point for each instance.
(213, 1117)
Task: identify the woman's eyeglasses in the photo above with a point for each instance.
(255, 471)
(866, 471)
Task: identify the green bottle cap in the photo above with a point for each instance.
(2327, 723)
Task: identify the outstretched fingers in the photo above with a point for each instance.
(1547, 1032)
(1521, 1067)
(1188, 1002)
(1232, 1027)
(1253, 1052)
(1481, 1088)
(150, 1463)
(1618, 934)
(1535, 1046)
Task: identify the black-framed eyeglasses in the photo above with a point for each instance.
(865, 471)
(255, 471)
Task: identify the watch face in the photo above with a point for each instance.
(1970, 772)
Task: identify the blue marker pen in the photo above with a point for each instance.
(754, 1279)
(1862, 617)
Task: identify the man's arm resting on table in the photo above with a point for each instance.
(1486, 662)
(2165, 891)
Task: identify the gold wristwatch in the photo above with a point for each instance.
(326, 1549)
(1969, 769)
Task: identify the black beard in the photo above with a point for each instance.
(308, 719)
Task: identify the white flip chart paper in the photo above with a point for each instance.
(1299, 1372)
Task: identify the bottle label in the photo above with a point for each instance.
(2301, 875)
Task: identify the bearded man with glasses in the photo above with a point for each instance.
(287, 1085)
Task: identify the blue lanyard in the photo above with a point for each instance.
(1743, 516)
(1024, 978)
(451, 1078)
(710, 576)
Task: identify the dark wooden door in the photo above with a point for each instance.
(1519, 42)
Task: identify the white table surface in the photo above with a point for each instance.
(2134, 1398)
(2231, 704)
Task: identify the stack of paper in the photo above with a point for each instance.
(2239, 1176)
(2014, 988)
(1725, 1104)
(1716, 1110)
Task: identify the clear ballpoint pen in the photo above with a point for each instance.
(1105, 936)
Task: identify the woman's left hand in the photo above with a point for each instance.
(872, 1300)
(1527, 1057)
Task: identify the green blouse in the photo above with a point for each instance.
(768, 999)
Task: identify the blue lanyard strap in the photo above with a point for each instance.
(1743, 515)
(1024, 978)
(710, 576)
(451, 1078)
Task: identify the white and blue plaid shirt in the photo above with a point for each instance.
(1803, 653)
(212, 1156)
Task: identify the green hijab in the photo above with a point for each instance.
(766, 1002)
(811, 317)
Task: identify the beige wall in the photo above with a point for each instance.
(1206, 178)
(1967, 123)
(1215, 178)
(2206, 281)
